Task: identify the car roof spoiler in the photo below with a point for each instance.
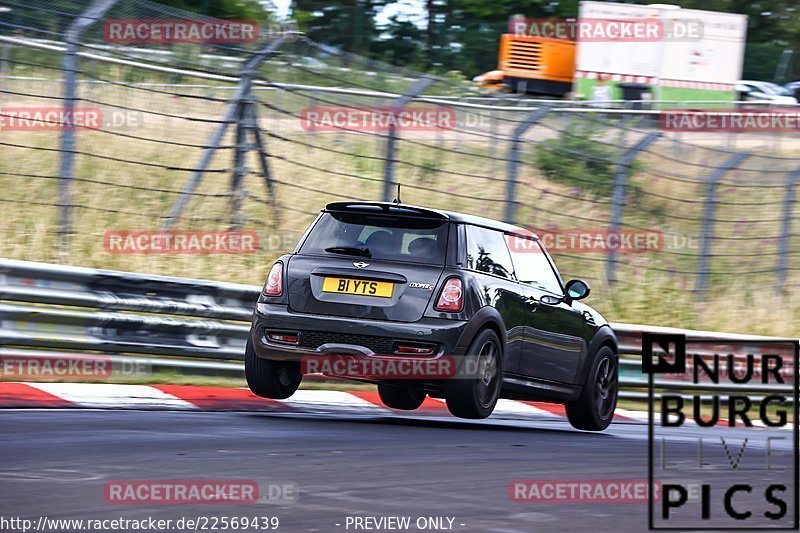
(386, 208)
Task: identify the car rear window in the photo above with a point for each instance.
(387, 237)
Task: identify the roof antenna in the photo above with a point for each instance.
(397, 200)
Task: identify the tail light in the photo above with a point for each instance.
(451, 299)
(274, 284)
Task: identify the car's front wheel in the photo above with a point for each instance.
(475, 391)
(270, 379)
(594, 408)
(399, 397)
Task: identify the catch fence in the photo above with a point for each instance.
(209, 137)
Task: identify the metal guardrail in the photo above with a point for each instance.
(208, 322)
(193, 325)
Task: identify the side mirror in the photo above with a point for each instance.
(576, 289)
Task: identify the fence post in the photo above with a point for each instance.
(4, 68)
(263, 159)
(67, 141)
(530, 119)
(707, 233)
(618, 196)
(786, 231)
(493, 120)
(440, 136)
(624, 124)
(90, 83)
(237, 112)
(240, 150)
(388, 167)
(205, 159)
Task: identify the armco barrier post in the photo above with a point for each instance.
(67, 148)
(530, 119)
(707, 233)
(388, 166)
(618, 198)
(786, 231)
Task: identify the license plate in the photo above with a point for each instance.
(381, 289)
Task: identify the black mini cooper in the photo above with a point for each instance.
(389, 282)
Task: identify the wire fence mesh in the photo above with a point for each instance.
(719, 206)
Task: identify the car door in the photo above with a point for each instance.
(554, 344)
(488, 257)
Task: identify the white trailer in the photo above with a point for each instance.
(698, 57)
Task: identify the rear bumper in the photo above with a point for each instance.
(348, 334)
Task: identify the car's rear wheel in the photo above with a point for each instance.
(475, 394)
(594, 408)
(270, 379)
(399, 397)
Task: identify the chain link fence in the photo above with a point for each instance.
(240, 136)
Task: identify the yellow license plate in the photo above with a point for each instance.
(382, 289)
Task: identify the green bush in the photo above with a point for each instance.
(577, 159)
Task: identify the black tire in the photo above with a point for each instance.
(270, 379)
(399, 397)
(474, 395)
(594, 408)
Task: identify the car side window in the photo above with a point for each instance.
(532, 266)
(487, 252)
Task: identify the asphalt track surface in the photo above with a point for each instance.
(55, 463)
